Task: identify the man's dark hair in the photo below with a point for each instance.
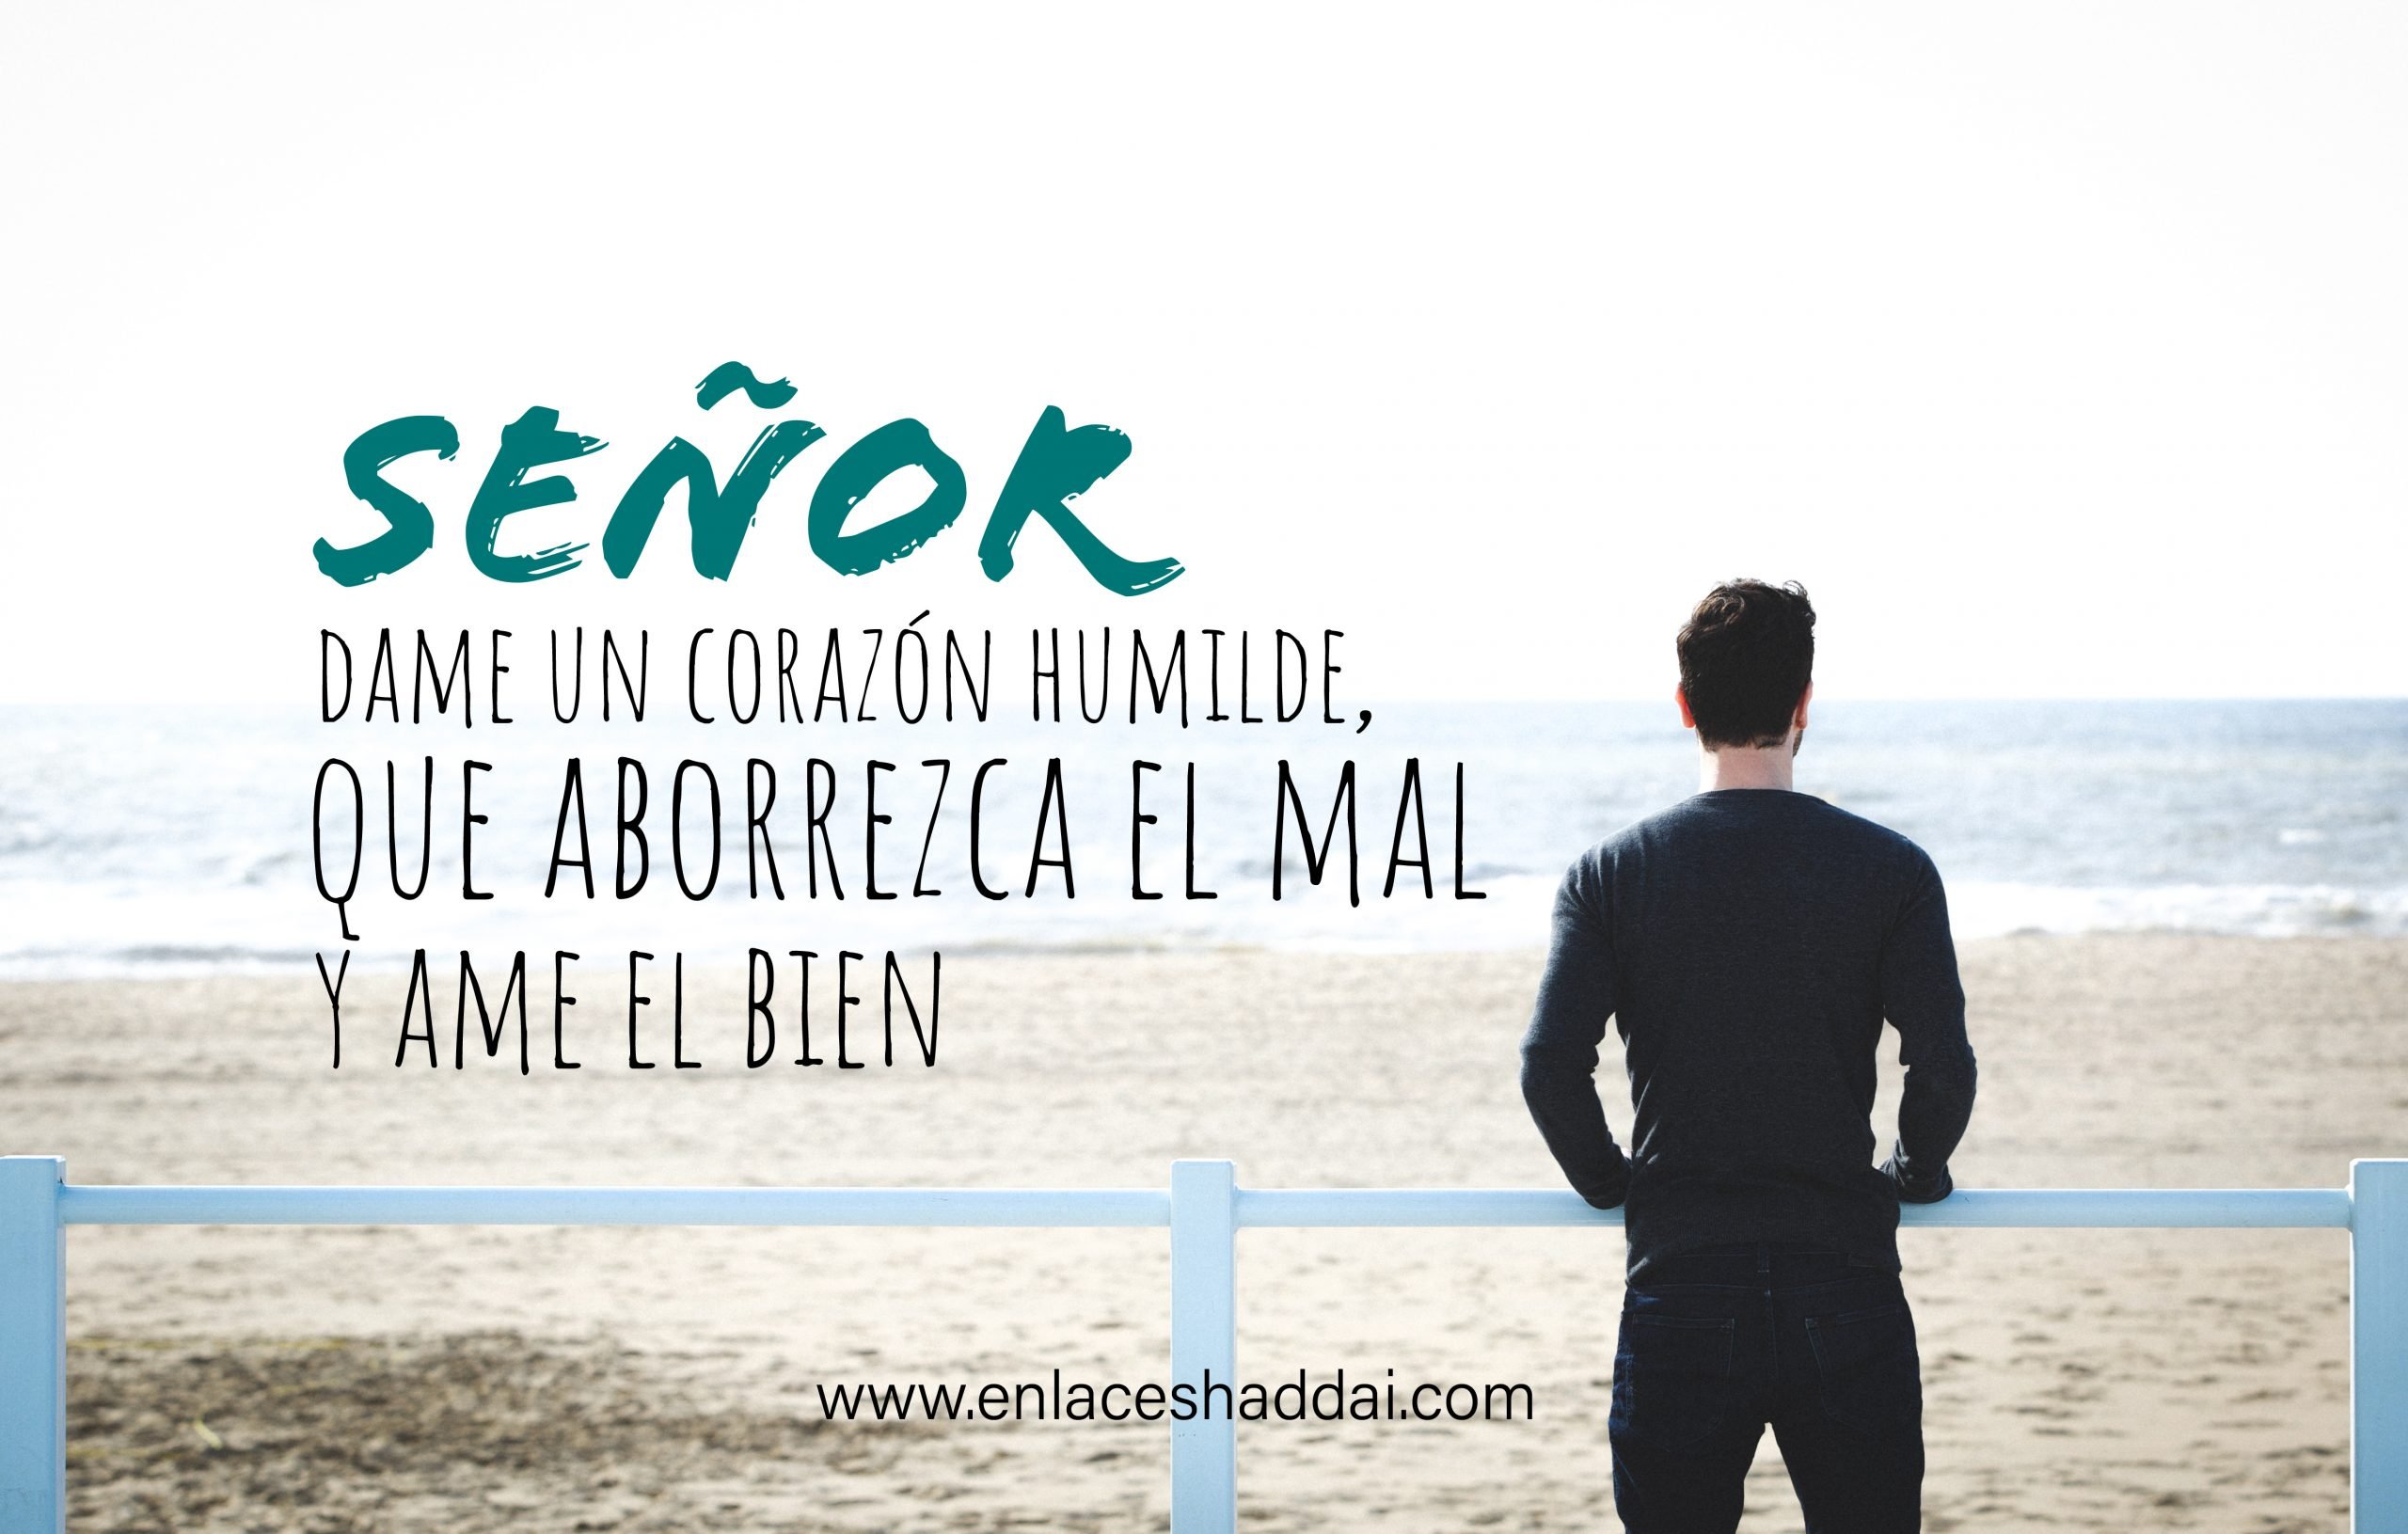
(1747, 653)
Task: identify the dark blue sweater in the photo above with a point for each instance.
(1748, 944)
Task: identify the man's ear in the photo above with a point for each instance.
(1803, 699)
(1681, 697)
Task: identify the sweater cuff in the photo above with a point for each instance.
(1609, 1193)
(1916, 1183)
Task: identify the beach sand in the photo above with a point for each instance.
(542, 1380)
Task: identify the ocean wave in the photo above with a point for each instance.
(2262, 910)
(149, 843)
(213, 935)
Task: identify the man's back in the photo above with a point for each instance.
(1749, 943)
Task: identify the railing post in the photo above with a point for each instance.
(1204, 1346)
(2379, 1347)
(33, 1348)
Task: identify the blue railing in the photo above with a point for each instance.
(1204, 1209)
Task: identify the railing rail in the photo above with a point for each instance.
(1203, 1208)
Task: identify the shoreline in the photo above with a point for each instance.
(265, 965)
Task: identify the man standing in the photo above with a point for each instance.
(1748, 943)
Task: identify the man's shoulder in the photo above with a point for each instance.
(1871, 832)
(1595, 865)
(1706, 813)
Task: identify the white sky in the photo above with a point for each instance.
(2061, 350)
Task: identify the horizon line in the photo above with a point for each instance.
(248, 702)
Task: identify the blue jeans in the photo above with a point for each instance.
(1715, 1345)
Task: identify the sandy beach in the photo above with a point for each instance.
(555, 1380)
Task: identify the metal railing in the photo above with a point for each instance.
(1204, 1209)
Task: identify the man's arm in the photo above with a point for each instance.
(1559, 1050)
(1924, 1000)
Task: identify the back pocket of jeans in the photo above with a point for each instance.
(1672, 1379)
(1866, 1366)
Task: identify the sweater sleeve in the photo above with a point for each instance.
(1559, 1048)
(1922, 998)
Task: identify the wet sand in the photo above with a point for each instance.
(559, 1380)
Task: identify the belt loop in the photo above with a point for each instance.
(1764, 1256)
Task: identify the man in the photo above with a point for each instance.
(1748, 943)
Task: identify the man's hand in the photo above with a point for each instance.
(1914, 1184)
(1609, 1196)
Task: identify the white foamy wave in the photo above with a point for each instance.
(2262, 910)
(70, 933)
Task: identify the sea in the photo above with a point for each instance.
(176, 840)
